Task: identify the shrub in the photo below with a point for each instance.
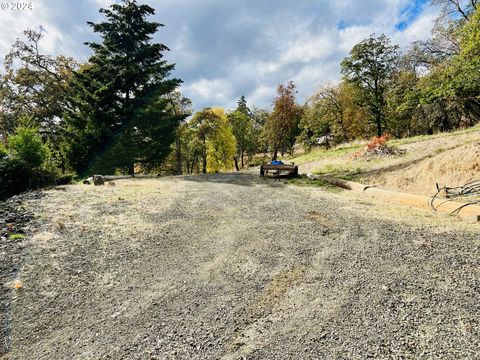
(27, 146)
(3, 151)
(14, 177)
(26, 164)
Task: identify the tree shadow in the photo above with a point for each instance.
(239, 178)
(355, 175)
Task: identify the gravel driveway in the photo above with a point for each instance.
(233, 267)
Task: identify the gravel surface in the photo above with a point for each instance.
(236, 267)
(14, 219)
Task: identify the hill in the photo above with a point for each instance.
(446, 158)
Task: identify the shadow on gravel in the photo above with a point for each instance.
(242, 179)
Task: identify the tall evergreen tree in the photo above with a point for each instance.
(242, 126)
(119, 115)
(243, 107)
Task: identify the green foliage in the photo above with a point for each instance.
(34, 84)
(211, 141)
(179, 105)
(369, 68)
(221, 148)
(122, 111)
(402, 97)
(243, 107)
(14, 237)
(14, 177)
(242, 126)
(260, 139)
(3, 151)
(27, 164)
(27, 146)
(282, 126)
(314, 124)
(332, 111)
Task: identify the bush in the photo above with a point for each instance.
(14, 177)
(26, 145)
(3, 151)
(26, 164)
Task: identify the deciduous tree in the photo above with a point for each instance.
(282, 127)
(36, 85)
(369, 67)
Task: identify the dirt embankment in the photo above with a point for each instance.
(452, 168)
(231, 267)
(450, 159)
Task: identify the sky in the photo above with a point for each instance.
(224, 49)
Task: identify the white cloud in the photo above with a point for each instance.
(225, 49)
(215, 92)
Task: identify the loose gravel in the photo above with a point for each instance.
(14, 220)
(236, 267)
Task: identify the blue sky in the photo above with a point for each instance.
(227, 48)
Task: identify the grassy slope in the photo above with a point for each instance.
(448, 158)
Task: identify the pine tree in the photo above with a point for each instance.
(242, 126)
(119, 116)
(242, 106)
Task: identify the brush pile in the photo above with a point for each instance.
(469, 194)
(378, 147)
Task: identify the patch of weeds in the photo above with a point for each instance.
(304, 181)
(17, 285)
(319, 154)
(16, 237)
(60, 225)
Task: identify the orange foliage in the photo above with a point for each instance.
(378, 141)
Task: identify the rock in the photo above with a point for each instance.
(98, 180)
(86, 182)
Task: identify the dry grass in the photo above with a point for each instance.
(452, 168)
(113, 212)
(17, 285)
(276, 290)
(448, 158)
(322, 219)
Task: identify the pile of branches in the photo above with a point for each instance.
(468, 193)
(378, 147)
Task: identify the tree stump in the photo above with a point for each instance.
(98, 180)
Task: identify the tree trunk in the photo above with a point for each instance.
(131, 169)
(179, 155)
(275, 154)
(378, 118)
(344, 131)
(204, 170)
(236, 163)
(241, 158)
